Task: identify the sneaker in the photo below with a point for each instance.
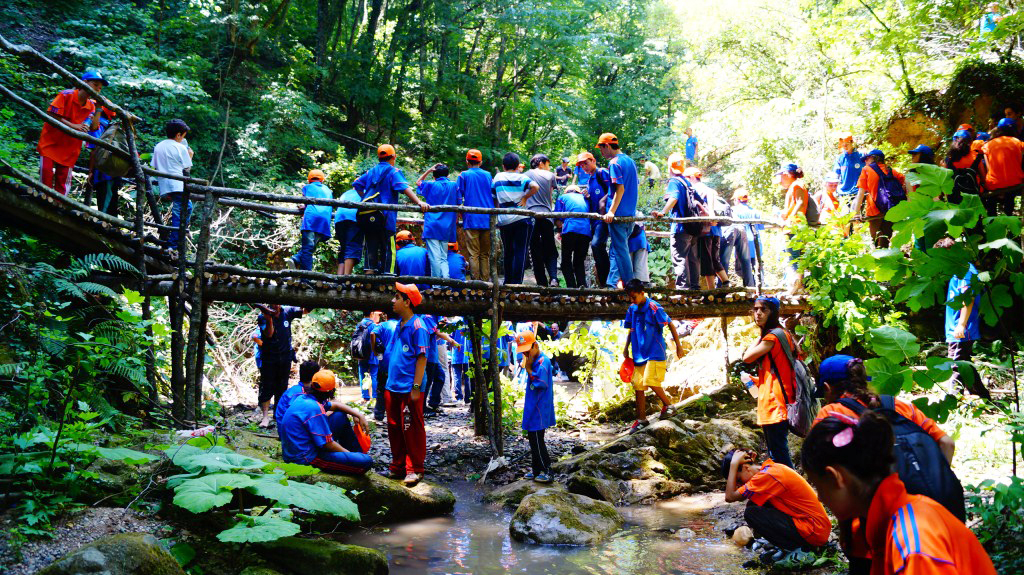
(528, 476)
(289, 264)
(638, 425)
(396, 475)
(431, 412)
(378, 418)
(667, 411)
(542, 478)
(412, 479)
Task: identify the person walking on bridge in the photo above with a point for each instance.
(438, 227)
(625, 193)
(316, 221)
(58, 151)
(174, 156)
(474, 189)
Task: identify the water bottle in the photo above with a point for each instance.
(749, 383)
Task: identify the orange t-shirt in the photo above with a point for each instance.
(791, 494)
(1003, 157)
(796, 203)
(977, 145)
(869, 183)
(902, 407)
(914, 535)
(771, 403)
(56, 145)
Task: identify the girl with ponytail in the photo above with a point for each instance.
(849, 462)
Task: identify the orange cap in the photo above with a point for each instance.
(324, 380)
(676, 162)
(385, 151)
(844, 136)
(474, 156)
(404, 236)
(692, 171)
(740, 193)
(524, 341)
(967, 127)
(453, 246)
(316, 175)
(607, 138)
(583, 157)
(412, 291)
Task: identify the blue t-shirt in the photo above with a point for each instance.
(439, 225)
(456, 266)
(848, 167)
(286, 400)
(412, 260)
(574, 202)
(278, 347)
(381, 185)
(623, 171)
(304, 430)
(744, 212)
(539, 401)
(987, 23)
(582, 177)
(430, 322)
(461, 356)
(647, 341)
(639, 240)
(958, 287)
(317, 218)
(257, 351)
(474, 188)
(598, 187)
(348, 214)
(691, 148)
(385, 332)
(411, 340)
(677, 189)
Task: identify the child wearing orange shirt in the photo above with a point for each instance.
(867, 186)
(849, 462)
(58, 151)
(1005, 178)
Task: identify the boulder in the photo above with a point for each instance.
(385, 500)
(556, 517)
(594, 487)
(122, 554)
(323, 557)
(259, 571)
(511, 495)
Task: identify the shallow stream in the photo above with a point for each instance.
(475, 539)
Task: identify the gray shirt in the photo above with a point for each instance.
(541, 201)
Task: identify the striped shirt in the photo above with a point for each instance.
(508, 188)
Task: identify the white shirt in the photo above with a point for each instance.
(171, 157)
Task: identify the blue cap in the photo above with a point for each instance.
(983, 136)
(920, 149)
(772, 301)
(878, 154)
(834, 368)
(964, 134)
(94, 75)
(787, 168)
(1006, 124)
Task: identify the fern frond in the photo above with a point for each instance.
(133, 373)
(96, 289)
(68, 288)
(12, 369)
(109, 262)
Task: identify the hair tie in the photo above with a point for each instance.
(844, 437)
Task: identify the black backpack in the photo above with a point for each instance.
(360, 347)
(890, 190)
(966, 180)
(369, 219)
(919, 461)
(695, 208)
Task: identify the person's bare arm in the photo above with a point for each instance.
(335, 446)
(417, 378)
(947, 446)
(341, 406)
(534, 188)
(411, 194)
(625, 348)
(857, 202)
(757, 350)
(268, 331)
(960, 331)
(619, 192)
(447, 338)
(424, 175)
(731, 489)
(671, 203)
(675, 336)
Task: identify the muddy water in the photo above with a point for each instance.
(475, 540)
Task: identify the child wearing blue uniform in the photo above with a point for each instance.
(456, 263)
(411, 259)
(538, 405)
(438, 227)
(645, 320)
(963, 327)
(460, 364)
(383, 334)
(575, 234)
(407, 364)
(316, 221)
(310, 435)
(306, 372)
(621, 203)
(638, 250)
(350, 237)
(370, 365)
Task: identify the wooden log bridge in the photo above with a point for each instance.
(191, 285)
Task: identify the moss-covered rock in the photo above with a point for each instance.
(594, 487)
(385, 500)
(511, 495)
(122, 554)
(556, 517)
(323, 557)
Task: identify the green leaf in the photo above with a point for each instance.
(133, 297)
(893, 343)
(994, 302)
(183, 553)
(205, 493)
(887, 377)
(292, 469)
(212, 460)
(322, 497)
(116, 453)
(258, 530)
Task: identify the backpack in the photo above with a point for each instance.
(804, 407)
(890, 190)
(368, 219)
(813, 211)
(108, 162)
(360, 346)
(966, 180)
(695, 208)
(919, 461)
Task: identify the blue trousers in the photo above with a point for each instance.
(735, 238)
(599, 247)
(353, 462)
(621, 260)
(463, 382)
(515, 239)
(362, 369)
(176, 208)
(435, 377)
(304, 259)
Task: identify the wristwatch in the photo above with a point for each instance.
(416, 387)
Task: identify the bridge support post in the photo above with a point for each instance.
(194, 361)
(725, 338)
(480, 406)
(498, 433)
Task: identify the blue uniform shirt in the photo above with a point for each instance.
(257, 351)
(539, 401)
(286, 400)
(848, 167)
(385, 332)
(279, 346)
(412, 260)
(677, 189)
(474, 187)
(304, 430)
(385, 180)
(638, 241)
(430, 322)
(582, 177)
(439, 225)
(691, 148)
(348, 214)
(317, 218)
(461, 355)
(411, 340)
(646, 339)
(959, 287)
(598, 187)
(573, 202)
(623, 171)
(456, 266)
